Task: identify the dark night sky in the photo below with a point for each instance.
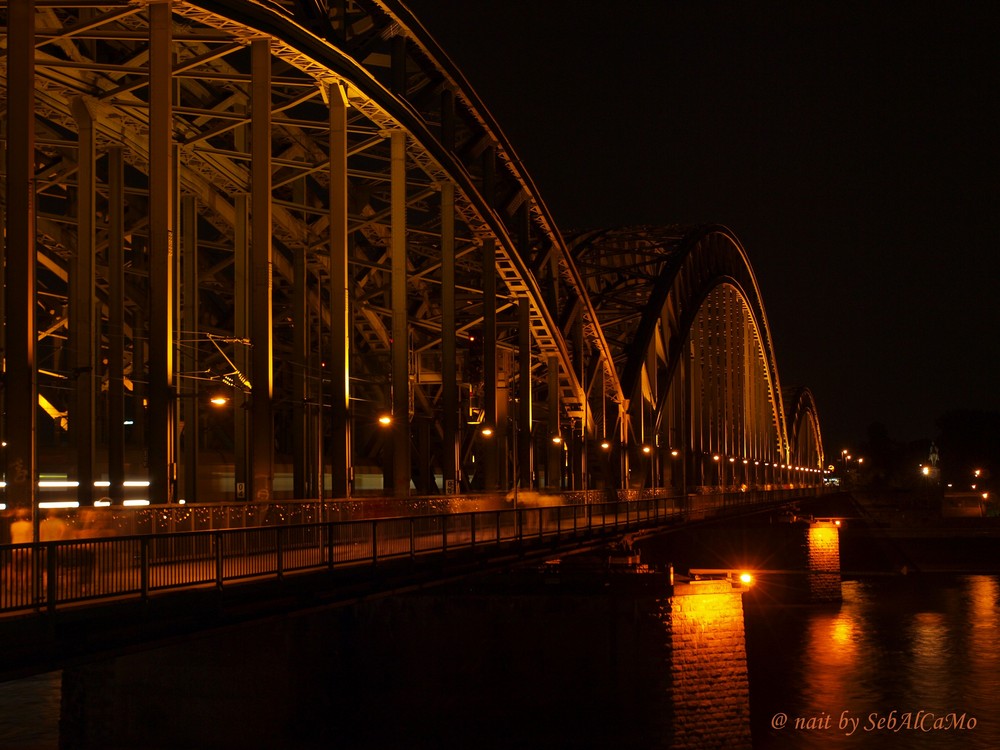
(853, 147)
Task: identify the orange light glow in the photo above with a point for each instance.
(487, 432)
(746, 579)
(385, 420)
(605, 445)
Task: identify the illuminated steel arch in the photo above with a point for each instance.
(690, 337)
(804, 437)
(305, 205)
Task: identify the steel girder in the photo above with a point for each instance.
(100, 58)
(682, 312)
(579, 327)
(804, 435)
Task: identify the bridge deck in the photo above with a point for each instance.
(67, 598)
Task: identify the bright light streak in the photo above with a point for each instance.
(135, 502)
(102, 483)
(59, 504)
(746, 579)
(102, 503)
(60, 483)
(136, 483)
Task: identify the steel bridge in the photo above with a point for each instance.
(275, 249)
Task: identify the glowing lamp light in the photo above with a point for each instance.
(646, 449)
(487, 432)
(732, 460)
(385, 420)
(746, 579)
(675, 453)
(605, 445)
(715, 457)
(557, 439)
(218, 400)
(925, 470)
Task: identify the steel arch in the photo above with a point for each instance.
(649, 285)
(171, 138)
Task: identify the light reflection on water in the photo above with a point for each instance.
(905, 644)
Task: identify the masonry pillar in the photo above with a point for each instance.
(823, 559)
(711, 691)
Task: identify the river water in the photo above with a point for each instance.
(898, 657)
(902, 662)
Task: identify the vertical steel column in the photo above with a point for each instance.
(400, 321)
(340, 299)
(451, 419)
(579, 440)
(682, 378)
(489, 283)
(20, 366)
(3, 254)
(83, 336)
(623, 444)
(301, 455)
(189, 332)
(241, 318)
(525, 395)
(449, 376)
(116, 323)
(162, 401)
(261, 328)
(554, 452)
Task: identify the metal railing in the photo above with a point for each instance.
(51, 574)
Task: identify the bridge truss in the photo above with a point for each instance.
(302, 211)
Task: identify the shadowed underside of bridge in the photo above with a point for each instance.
(302, 210)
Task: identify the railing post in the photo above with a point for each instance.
(144, 566)
(281, 560)
(50, 570)
(217, 539)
